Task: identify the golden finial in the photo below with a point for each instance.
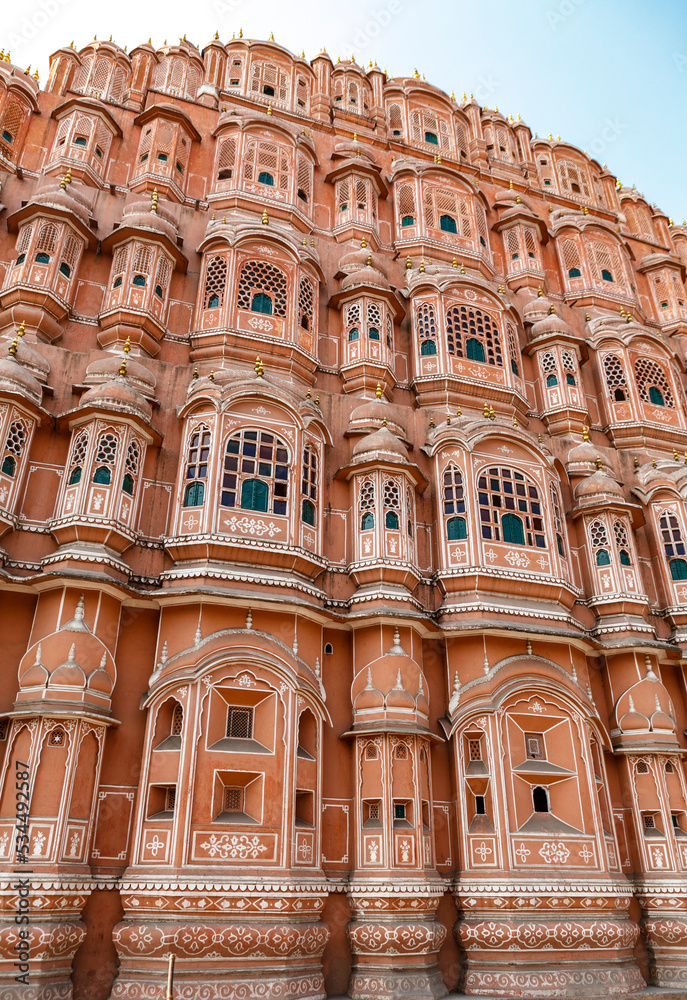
(539, 292)
(240, 32)
(409, 263)
(550, 137)
(515, 420)
(271, 38)
(305, 242)
(153, 205)
(369, 260)
(540, 439)
(588, 317)
(492, 414)
(269, 109)
(259, 367)
(622, 313)
(455, 263)
(448, 418)
(431, 423)
(485, 412)
(308, 393)
(127, 345)
(384, 422)
(464, 97)
(13, 347)
(378, 390)
(363, 244)
(317, 400)
(355, 137)
(35, 75)
(195, 372)
(552, 310)
(675, 454)
(416, 75)
(585, 433)
(8, 57)
(22, 328)
(599, 463)
(459, 412)
(636, 462)
(654, 464)
(312, 243)
(303, 54)
(216, 35)
(422, 266)
(265, 220)
(618, 184)
(224, 220)
(27, 70)
(518, 200)
(453, 96)
(462, 269)
(212, 374)
(510, 185)
(122, 368)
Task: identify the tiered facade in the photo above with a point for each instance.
(343, 502)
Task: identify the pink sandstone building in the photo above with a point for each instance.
(343, 503)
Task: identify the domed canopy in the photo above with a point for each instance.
(118, 394)
(600, 484)
(106, 369)
(15, 378)
(383, 443)
(370, 415)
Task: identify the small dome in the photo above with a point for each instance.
(29, 357)
(69, 673)
(398, 697)
(100, 680)
(634, 722)
(19, 379)
(550, 326)
(365, 276)
(598, 485)
(382, 441)
(117, 395)
(69, 198)
(371, 414)
(106, 369)
(537, 308)
(582, 454)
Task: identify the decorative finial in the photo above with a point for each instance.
(539, 292)
(363, 244)
(585, 433)
(485, 412)
(455, 263)
(269, 109)
(599, 463)
(13, 347)
(422, 266)
(259, 367)
(212, 374)
(22, 328)
(265, 220)
(195, 372)
(378, 390)
(462, 269)
(271, 38)
(122, 368)
(409, 263)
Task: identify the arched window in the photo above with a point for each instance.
(372, 333)
(551, 381)
(215, 282)
(671, 536)
(600, 543)
(615, 378)
(267, 160)
(77, 459)
(606, 274)
(105, 459)
(540, 799)
(366, 504)
(447, 224)
(259, 277)
(652, 383)
(432, 138)
(261, 303)
(427, 328)
(14, 446)
(622, 543)
(678, 569)
(510, 506)
(197, 458)
(456, 529)
(557, 518)
(309, 486)
(354, 334)
(406, 205)
(128, 483)
(256, 468)
(474, 349)
(453, 491)
(392, 504)
(569, 367)
(465, 323)
(255, 495)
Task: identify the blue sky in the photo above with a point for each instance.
(610, 77)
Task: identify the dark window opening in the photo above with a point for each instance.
(540, 800)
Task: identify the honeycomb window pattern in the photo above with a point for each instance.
(251, 456)
(466, 328)
(259, 277)
(652, 383)
(107, 449)
(504, 494)
(616, 382)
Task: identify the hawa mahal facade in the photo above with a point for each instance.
(343, 503)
